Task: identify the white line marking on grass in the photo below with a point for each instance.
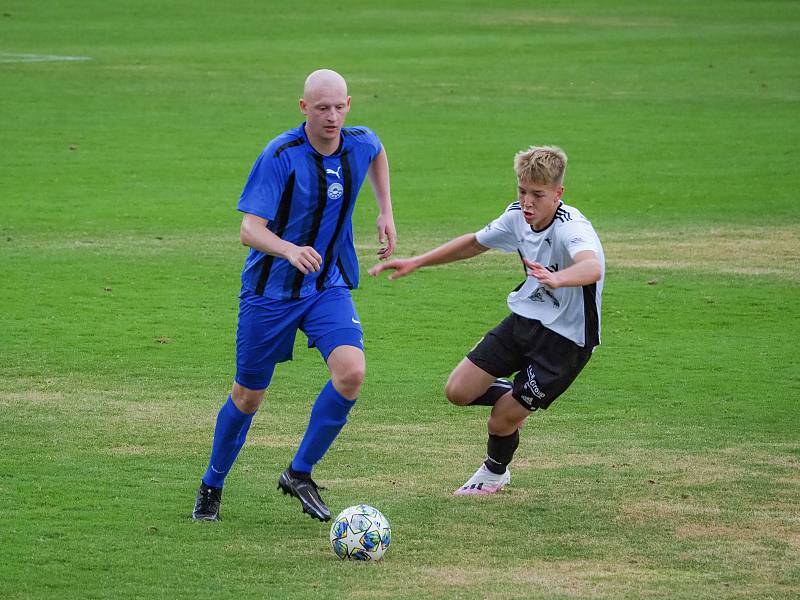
(14, 57)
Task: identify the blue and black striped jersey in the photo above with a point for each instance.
(308, 200)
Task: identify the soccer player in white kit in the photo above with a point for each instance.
(554, 323)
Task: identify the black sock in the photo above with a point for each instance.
(298, 474)
(500, 451)
(490, 397)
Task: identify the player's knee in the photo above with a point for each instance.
(348, 380)
(455, 393)
(245, 399)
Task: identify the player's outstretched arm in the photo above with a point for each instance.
(586, 270)
(378, 174)
(459, 248)
(254, 233)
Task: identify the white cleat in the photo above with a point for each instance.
(484, 482)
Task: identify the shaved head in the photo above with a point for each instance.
(324, 80)
(325, 104)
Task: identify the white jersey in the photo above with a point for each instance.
(573, 312)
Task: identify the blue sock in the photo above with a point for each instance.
(328, 416)
(229, 435)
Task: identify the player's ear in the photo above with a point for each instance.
(348, 103)
(303, 107)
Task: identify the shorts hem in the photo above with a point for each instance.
(482, 365)
(344, 336)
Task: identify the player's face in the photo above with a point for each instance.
(538, 202)
(325, 110)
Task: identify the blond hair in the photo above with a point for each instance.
(544, 165)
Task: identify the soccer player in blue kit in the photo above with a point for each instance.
(297, 205)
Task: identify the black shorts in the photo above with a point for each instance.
(545, 362)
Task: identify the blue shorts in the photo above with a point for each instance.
(267, 328)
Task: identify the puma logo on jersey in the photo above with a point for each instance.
(332, 172)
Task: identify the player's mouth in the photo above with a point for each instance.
(330, 128)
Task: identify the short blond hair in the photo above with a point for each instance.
(544, 165)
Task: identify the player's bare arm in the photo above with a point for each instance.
(378, 174)
(254, 233)
(460, 248)
(586, 270)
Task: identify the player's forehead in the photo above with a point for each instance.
(328, 97)
(532, 186)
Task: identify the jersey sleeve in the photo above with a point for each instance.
(366, 140)
(373, 144)
(500, 233)
(264, 187)
(578, 236)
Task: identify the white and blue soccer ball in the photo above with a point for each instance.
(360, 533)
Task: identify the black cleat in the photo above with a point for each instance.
(305, 490)
(206, 505)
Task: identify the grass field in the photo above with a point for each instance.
(671, 468)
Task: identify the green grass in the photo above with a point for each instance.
(668, 470)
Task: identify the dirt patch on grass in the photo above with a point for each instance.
(268, 439)
(573, 578)
(678, 469)
(700, 470)
(128, 450)
(644, 511)
(713, 531)
(31, 397)
(733, 250)
(560, 461)
(774, 454)
(536, 18)
(759, 530)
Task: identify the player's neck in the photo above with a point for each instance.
(546, 220)
(323, 146)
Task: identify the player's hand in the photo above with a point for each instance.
(542, 275)
(400, 266)
(387, 236)
(304, 258)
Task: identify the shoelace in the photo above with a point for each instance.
(312, 482)
(208, 496)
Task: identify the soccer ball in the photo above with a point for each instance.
(361, 533)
